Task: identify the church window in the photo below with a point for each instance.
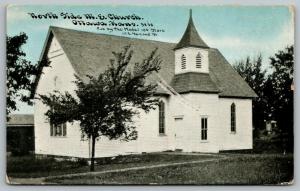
(161, 108)
(204, 128)
(183, 62)
(198, 60)
(233, 118)
(58, 130)
(55, 81)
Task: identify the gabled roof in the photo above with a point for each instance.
(191, 37)
(90, 54)
(20, 119)
(228, 81)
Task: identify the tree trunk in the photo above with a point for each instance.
(93, 154)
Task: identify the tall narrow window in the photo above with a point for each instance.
(51, 130)
(55, 82)
(198, 60)
(204, 128)
(64, 129)
(161, 109)
(233, 118)
(183, 62)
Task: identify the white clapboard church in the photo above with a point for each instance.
(205, 105)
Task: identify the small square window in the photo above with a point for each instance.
(58, 130)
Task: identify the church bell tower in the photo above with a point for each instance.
(191, 53)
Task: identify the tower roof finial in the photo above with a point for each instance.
(191, 37)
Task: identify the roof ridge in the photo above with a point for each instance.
(83, 49)
(100, 34)
(125, 37)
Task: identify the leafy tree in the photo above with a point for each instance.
(252, 72)
(280, 95)
(275, 97)
(20, 73)
(104, 105)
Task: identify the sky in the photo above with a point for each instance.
(237, 31)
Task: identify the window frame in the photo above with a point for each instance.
(58, 130)
(204, 128)
(161, 118)
(233, 118)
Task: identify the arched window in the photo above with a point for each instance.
(161, 109)
(198, 60)
(183, 62)
(233, 118)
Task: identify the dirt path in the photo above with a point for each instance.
(41, 180)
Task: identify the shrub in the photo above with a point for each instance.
(32, 164)
(82, 162)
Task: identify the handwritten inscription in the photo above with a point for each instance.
(130, 25)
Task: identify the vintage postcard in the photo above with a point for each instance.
(164, 95)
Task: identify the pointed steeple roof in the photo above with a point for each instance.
(191, 36)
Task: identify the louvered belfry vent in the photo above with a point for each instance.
(183, 62)
(198, 60)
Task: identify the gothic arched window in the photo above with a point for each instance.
(161, 110)
(198, 60)
(183, 62)
(233, 118)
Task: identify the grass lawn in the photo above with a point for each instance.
(30, 167)
(236, 169)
